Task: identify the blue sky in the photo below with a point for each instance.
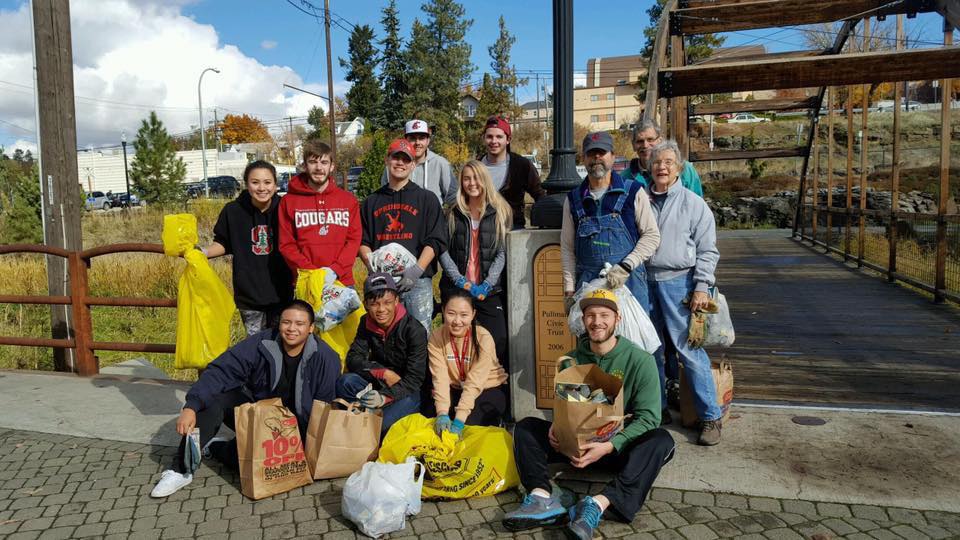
(132, 56)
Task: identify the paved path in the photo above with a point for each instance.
(57, 486)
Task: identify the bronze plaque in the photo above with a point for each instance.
(552, 335)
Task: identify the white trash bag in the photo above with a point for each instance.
(392, 259)
(718, 331)
(634, 324)
(338, 302)
(378, 497)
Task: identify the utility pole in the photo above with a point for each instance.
(59, 179)
(293, 154)
(333, 115)
(216, 133)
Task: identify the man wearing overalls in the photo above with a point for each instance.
(607, 219)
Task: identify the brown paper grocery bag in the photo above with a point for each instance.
(272, 459)
(340, 441)
(723, 379)
(576, 423)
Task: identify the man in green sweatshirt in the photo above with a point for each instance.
(635, 455)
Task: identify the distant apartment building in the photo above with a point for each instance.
(608, 100)
(103, 170)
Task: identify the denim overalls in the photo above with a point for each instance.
(606, 239)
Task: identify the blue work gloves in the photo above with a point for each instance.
(462, 283)
(481, 291)
(441, 424)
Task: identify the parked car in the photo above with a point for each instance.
(747, 118)
(283, 181)
(97, 200)
(220, 186)
(620, 164)
(353, 175)
(123, 200)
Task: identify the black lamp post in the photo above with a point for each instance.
(126, 175)
(547, 213)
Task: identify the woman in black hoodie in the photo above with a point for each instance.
(247, 229)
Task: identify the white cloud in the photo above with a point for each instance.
(131, 57)
(268, 44)
(23, 145)
(579, 80)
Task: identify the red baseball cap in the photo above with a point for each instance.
(401, 146)
(498, 122)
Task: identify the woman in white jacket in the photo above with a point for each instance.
(679, 276)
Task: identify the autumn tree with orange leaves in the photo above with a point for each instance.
(236, 129)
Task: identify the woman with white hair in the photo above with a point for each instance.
(679, 276)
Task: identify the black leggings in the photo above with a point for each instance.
(488, 409)
(636, 466)
(209, 421)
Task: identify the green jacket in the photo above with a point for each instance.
(641, 384)
(688, 176)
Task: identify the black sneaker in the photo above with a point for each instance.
(673, 393)
(665, 417)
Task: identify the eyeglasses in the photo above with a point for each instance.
(648, 140)
(668, 163)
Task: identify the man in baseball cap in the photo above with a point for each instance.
(387, 361)
(431, 171)
(404, 213)
(606, 220)
(635, 454)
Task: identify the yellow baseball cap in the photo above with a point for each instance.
(600, 297)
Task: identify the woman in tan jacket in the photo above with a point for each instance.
(467, 377)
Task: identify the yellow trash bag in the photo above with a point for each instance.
(336, 331)
(479, 464)
(179, 233)
(204, 304)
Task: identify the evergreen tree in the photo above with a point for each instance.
(393, 71)
(488, 106)
(695, 48)
(320, 123)
(497, 94)
(373, 165)
(156, 172)
(364, 95)
(20, 220)
(439, 60)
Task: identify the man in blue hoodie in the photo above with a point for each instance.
(288, 362)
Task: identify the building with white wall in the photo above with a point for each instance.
(103, 170)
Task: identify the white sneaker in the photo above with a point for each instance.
(170, 482)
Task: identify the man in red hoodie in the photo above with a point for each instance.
(319, 222)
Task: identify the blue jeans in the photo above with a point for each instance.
(419, 302)
(672, 319)
(349, 384)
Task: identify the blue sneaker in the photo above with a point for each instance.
(584, 519)
(536, 511)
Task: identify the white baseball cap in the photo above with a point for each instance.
(416, 126)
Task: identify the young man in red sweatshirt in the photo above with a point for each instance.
(319, 222)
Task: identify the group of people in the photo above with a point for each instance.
(647, 230)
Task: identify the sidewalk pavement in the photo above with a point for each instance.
(78, 458)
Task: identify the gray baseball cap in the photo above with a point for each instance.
(598, 139)
(379, 281)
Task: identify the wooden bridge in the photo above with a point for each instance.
(811, 329)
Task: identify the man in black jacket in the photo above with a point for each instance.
(387, 361)
(288, 362)
(512, 174)
(402, 212)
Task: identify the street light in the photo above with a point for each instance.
(126, 175)
(203, 139)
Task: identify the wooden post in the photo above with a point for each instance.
(895, 170)
(678, 105)
(87, 364)
(830, 105)
(864, 155)
(846, 217)
(816, 180)
(58, 156)
(653, 107)
(946, 89)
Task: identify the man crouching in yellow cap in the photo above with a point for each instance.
(635, 455)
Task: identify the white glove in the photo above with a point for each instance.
(617, 276)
